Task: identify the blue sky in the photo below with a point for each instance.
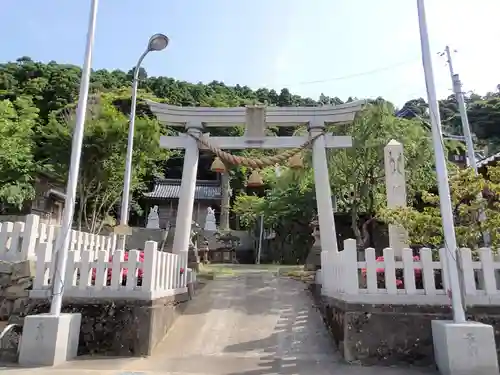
(342, 48)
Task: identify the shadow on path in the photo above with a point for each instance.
(252, 324)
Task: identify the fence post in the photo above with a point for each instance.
(486, 258)
(40, 279)
(350, 267)
(113, 242)
(5, 234)
(149, 270)
(325, 277)
(184, 265)
(30, 235)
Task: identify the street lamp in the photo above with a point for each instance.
(157, 42)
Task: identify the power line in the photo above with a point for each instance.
(355, 75)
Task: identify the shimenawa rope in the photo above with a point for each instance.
(260, 163)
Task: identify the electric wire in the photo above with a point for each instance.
(354, 75)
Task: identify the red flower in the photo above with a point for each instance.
(416, 258)
(399, 276)
(182, 271)
(124, 270)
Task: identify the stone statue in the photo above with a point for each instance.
(210, 220)
(153, 219)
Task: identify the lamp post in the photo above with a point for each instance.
(62, 243)
(157, 42)
(441, 171)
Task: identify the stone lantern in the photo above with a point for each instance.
(313, 261)
(193, 257)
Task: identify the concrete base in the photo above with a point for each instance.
(49, 340)
(464, 348)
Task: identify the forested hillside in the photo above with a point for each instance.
(37, 102)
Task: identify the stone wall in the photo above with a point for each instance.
(391, 334)
(109, 327)
(119, 327)
(15, 282)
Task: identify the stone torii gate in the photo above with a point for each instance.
(255, 119)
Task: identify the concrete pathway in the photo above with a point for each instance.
(252, 324)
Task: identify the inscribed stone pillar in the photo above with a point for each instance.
(396, 191)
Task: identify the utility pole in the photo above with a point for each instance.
(441, 171)
(457, 90)
(471, 156)
(63, 240)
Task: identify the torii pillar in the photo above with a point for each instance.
(184, 218)
(326, 219)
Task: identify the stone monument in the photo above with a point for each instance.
(395, 183)
(153, 219)
(210, 225)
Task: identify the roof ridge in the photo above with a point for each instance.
(178, 180)
(171, 190)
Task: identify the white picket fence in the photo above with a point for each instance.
(161, 274)
(18, 241)
(411, 280)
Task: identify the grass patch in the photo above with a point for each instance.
(210, 271)
(299, 274)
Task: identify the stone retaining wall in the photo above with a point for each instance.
(109, 327)
(16, 280)
(391, 334)
(119, 328)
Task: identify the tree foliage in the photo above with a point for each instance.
(287, 208)
(35, 129)
(357, 173)
(470, 195)
(103, 157)
(17, 165)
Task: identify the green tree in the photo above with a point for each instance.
(357, 173)
(17, 165)
(103, 158)
(288, 209)
(424, 224)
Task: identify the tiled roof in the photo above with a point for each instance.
(488, 160)
(171, 188)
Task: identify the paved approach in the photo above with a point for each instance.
(251, 324)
